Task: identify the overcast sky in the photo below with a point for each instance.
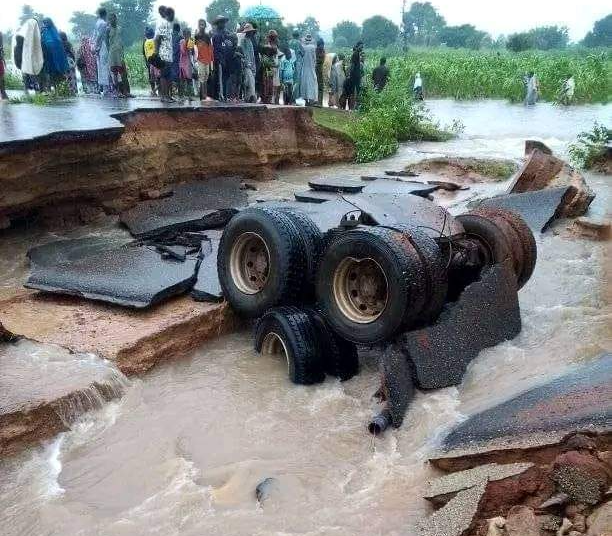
(495, 17)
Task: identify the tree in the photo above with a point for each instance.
(423, 24)
(348, 31)
(309, 26)
(520, 41)
(601, 34)
(379, 32)
(464, 36)
(27, 12)
(229, 8)
(547, 37)
(82, 24)
(133, 17)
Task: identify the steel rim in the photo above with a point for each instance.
(361, 290)
(250, 263)
(273, 344)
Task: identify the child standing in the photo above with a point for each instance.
(148, 50)
(205, 58)
(186, 65)
(287, 72)
(268, 64)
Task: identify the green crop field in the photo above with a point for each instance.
(472, 74)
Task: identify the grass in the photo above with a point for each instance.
(336, 120)
(37, 99)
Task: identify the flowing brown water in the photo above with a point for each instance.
(182, 451)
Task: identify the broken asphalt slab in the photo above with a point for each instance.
(43, 388)
(336, 184)
(379, 186)
(207, 287)
(132, 276)
(65, 251)
(193, 206)
(579, 400)
(440, 353)
(538, 208)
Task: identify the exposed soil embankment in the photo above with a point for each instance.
(109, 168)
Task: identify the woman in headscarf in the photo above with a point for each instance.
(32, 59)
(71, 74)
(86, 62)
(100, 50)
(309, 87)
(56, 62)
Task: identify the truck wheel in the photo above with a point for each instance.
(291, 333)
(493, 247)
(312, 238)
(340, 358)
(524, 235)
(370, 284)
(435, 268)
(261, 261)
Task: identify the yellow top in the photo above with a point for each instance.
(149, 48)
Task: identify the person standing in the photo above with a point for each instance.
(309, 86)
(250, 62)
(352, 84)
(380, 75)
(148, 51)
(297, 52)
(567, 90)
(235, 68)
(3, 94)
(86, 62)
(276, 82)
(268, 64)
(32, 59)
(287, 71)
(163, 44)
(205, 58)
(56, 63)
(337, 78)
(100, 41)
(222, 52)
(71, 78)
(186, 65)
(417, 87)
(533, 88)
(116, 58)
(320, 55)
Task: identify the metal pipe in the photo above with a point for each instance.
(380, 423)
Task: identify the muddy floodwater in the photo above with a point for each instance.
(183, 450)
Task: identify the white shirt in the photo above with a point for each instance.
(417, 81)
(164, 30)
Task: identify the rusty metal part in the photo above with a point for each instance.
(360, 289)
(250, 263)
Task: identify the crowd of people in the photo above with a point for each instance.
(214, 63)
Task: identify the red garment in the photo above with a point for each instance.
(205, 52)
(2, 67)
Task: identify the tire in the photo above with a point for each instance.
(434, 265)
(370, 284)
(494, 247)
(340, 357)
(276, 275)
(525, 237)
(291, 331)
(312, 238)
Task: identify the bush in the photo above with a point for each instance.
(590, 147)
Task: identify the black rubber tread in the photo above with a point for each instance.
(526, 238)
(340, 357)
(301, 337)
(286, 246)
(313, 239)
(513, 239)
(405, 278)
(435, 266)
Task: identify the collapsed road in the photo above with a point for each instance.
(197, 477)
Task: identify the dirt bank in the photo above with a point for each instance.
(108, 168)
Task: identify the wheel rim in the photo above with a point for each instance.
(273, 344)
(250, 263)
(360, 289)
(485, 251)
